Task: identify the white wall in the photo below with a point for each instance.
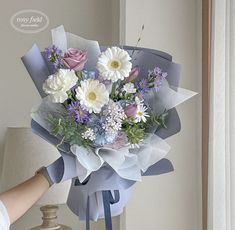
(171, 201)
(92, 19)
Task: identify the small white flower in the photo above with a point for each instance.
(114, 64)
(115, 115)
(58, 84)
(93, 95)
(89, 134)
(138, 101)
(141, 113)
(129, 88)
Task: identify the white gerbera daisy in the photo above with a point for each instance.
(114, 64)
(141, 113)
(92, 95)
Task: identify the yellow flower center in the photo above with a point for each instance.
(140, 114)
(80, 113)
(115, 64)
(92, 96)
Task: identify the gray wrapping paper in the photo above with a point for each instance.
(106, 178)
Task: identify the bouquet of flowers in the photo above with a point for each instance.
(108, 111)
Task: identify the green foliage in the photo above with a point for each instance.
(134, 131)
(67, 130)
(79, 74)
(71, 96)
(159, 120)
(113, 94)
(128, 96)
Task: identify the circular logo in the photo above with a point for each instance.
(29, 21)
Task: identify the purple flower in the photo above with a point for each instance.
(143, 85)
(156, 76)
(58, 63)
(157, 83)
(77, 112)
(53, 51)
(157, 71)
(140, 95)
(54, 55)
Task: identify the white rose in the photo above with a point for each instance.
(129, 88)
(58, 84)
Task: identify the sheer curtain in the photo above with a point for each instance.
(221, 185)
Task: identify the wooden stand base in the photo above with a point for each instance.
(50, 219)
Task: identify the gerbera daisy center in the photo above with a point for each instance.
(115, 64)
(92, 96)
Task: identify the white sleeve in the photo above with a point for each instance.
(4, 218)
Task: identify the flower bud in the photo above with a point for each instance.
(133, 74)
(131, 111)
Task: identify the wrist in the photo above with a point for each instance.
(43, 172)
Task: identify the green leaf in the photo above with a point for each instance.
(67, 130)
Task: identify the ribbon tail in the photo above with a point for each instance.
(88, 214)
(107, 200)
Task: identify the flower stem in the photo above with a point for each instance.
(113, 92)
(137, 43)
(61, 142)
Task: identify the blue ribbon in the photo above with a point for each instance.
(88, 214)
(107, 200)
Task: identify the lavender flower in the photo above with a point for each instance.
(141, 95)
(54, 55)
(77, 112)
(153, 80)
(157, 76)
(52, 50)
(58, 63)
(157, 71)
(143, 85)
